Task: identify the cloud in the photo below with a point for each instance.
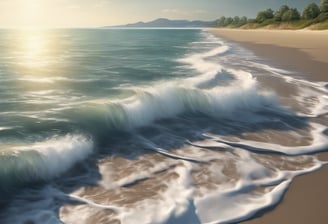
(173, 11)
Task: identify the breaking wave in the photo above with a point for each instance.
(216, 92)
(41, 161)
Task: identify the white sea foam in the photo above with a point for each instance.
(47, 159)
(306, 90)
(319, 143)
(251, 185)
(179, 202)
(204, 92)
(52, 80)
(175, 206)
(153, 147)
(5, 128)
(168, 100)
(43, 79)
(235, 204)
(200, 61)
(229, 203)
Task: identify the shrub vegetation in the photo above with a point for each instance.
(284, 17)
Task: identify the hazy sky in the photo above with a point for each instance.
(91, 13)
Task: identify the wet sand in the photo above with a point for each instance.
(304, 52)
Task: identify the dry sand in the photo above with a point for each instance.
(307, 53)
(303, 51)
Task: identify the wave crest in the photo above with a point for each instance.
(43, 160)
(172, 99)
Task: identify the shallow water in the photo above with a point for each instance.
(149, 126)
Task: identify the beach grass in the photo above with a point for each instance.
(292, 25)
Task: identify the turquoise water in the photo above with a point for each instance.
(89, 119)
(45, 72)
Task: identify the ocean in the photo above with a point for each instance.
(150, 126)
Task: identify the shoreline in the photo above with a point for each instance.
(303, 52)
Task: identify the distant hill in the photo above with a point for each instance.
(168, 23)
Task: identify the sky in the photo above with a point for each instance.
(95, 13)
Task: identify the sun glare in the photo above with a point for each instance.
(32, 46)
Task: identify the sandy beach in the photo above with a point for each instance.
(304, 52)
(162, 126)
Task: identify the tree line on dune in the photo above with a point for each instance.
(311, 14)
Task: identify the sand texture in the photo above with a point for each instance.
(305, 52)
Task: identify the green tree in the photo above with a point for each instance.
(236, 20)
(243, 20)
(220, 22)
(322, 17)
(264, 15)
(228, 21)
(324, 6)
(291, 15)
(311, 11)
(278, 15)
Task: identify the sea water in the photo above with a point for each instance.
(148, 126)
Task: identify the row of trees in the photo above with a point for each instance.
(311, 12)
